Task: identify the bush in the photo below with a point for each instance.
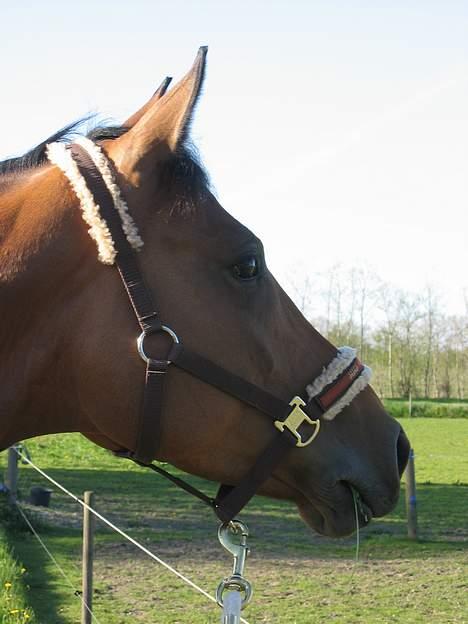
(420, 408)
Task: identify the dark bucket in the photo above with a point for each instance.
(40, 496)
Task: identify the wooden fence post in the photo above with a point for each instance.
(11, 478)
(88, 556)
(410, 496)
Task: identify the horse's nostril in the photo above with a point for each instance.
(403, 449)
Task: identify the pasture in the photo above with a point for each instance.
(298, 577)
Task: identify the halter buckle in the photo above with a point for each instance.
(295, 419)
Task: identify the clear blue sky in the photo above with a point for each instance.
(338, 131)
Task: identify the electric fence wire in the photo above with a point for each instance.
(54, 560)
(115, 528)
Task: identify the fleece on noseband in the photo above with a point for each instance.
(59, 155)
(336, 367)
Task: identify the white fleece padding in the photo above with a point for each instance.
(60, 156)
(340, 363)
(102, 163)
(358, 385)
(343, 359)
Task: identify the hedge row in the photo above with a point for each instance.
(427, 409)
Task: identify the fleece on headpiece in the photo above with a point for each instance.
(59, 155)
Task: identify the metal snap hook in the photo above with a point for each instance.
(234, 583)
(226, 534)
(233, 536)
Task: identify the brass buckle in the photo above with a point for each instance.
(295, 418)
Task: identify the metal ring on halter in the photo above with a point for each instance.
(141, 339)
(234, 583)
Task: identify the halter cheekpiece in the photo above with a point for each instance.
(297, 423)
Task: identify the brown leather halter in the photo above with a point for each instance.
(297, 423)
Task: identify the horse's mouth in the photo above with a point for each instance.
(339, 514)
(363, 512)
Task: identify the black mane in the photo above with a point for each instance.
(184, 171)
(37, 155)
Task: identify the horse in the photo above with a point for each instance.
(68, 358)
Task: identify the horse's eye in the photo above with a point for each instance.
(247, 268)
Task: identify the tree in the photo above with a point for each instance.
(412, 347)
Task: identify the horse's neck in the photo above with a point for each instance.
(40, 249)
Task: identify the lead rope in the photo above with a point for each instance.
(183, 485)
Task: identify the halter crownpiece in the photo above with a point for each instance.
(59, 155)
(297, 422)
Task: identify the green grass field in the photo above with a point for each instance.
(298, 577)
(13, 591)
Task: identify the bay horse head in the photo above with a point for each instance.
(68, 356)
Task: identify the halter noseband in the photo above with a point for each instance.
(297, 423)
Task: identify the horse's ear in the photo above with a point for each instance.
(163, 126)
(157, 95)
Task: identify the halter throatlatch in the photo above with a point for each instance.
(296, 423)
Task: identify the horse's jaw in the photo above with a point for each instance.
(337, 514)
(335, 502)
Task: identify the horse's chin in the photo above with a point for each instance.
(335, 518)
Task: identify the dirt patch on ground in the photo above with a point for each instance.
(286, 589)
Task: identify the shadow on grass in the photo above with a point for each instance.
(177, 527)
(41, 595)
(47, 588)
(154, 510)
